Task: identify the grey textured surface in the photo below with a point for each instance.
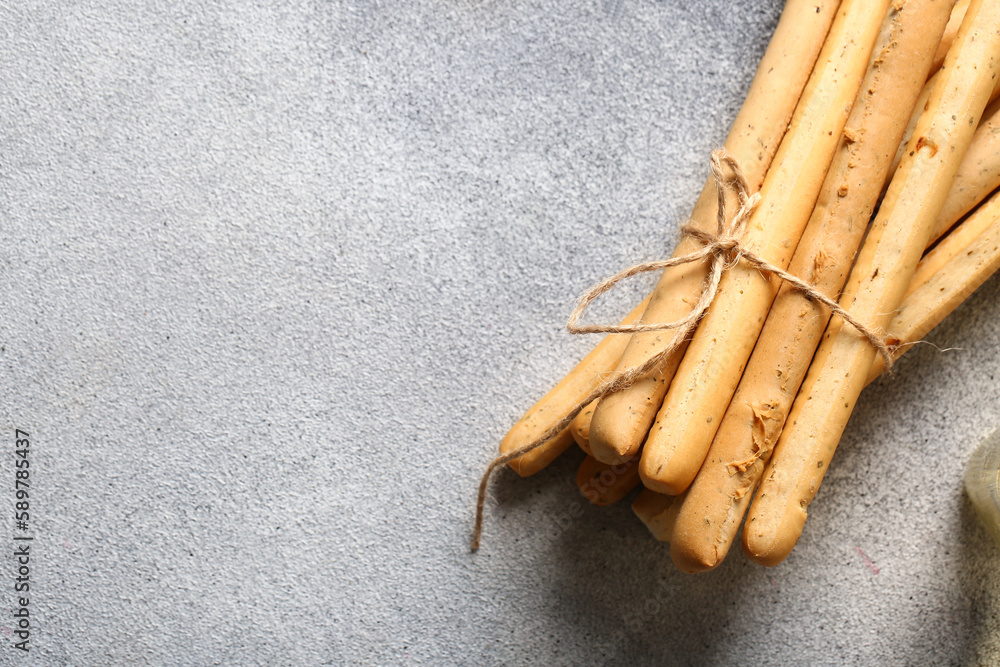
(279, 276)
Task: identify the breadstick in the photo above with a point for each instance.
(622, 419)
(579, 428)
(904, 145)
(714, 361)
(605, 484)
(884, 268)
(555, 405)
(718, 497)
(945, 277)
(947, 39)
(950, 30)
(977, 177)
(658, 512)
(921, 105)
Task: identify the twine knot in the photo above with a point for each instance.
(724, 250)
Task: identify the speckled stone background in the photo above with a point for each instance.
(278, 276)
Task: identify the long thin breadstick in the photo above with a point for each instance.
(945, 277)
(950, 30)
(718, 497)
(947, 39)
(977, 177)
(707, 376)
(884, 268)
(753, 140)
(579, 428)
(555, 405)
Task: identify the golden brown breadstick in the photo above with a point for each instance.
(977, 177)
(950, 30)
(945, 277)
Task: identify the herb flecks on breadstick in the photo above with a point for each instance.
(878, 281)
(945, 277)
(977, 177)
(713, 363)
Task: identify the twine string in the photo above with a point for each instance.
(724, 250)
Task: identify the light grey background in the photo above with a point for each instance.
(278, 277)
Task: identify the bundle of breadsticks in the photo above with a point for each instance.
(870, 135)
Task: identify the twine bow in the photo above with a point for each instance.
(724, 251)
